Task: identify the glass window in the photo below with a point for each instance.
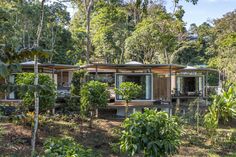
(144, 80)
(187, 85)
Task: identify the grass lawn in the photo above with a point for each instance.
(15, 139)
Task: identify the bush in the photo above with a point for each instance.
(65, 148)
(151, 133)
(128, 91)
(94, 95)
(71, 104)
(223, 108)
(77, 80)
(46, 88)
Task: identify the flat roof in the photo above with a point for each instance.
(199, 69)
(53, 66)
(132, 66)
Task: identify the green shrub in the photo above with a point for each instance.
(223, 108)
(65, 148)
(151, 133)
(128, 91)
(72, 104)
(94, 95)
(46, 88)
(77, 80)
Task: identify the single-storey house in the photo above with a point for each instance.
(165, 86)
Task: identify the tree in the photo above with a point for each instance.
(128, 91)
(223, 47)
(108, 32)
(36, 78)
(151, 133)
(94, 95)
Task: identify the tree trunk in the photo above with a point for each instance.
(166, 56)
(36, 96)
(88, 46)
(126, 109)
(91, 119)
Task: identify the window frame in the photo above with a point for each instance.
(137, 74)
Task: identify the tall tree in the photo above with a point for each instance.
(108, 32)
(154, 39)
(223, 47)
(36, 80)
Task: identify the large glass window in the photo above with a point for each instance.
(144, 80)
(190, 85)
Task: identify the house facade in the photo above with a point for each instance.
(164, 86)
(167, 87)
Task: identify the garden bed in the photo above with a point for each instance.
(15, 139)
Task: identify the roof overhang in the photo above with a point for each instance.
(163, 68)
(53, 66)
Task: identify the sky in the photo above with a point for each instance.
(204, 10)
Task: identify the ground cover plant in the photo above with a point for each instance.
(66, 148)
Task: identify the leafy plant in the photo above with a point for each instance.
(65, 148)
(47, 91)
(151, 133)
(223, 107)
(77, 80)
(128, 91)
(94, 95)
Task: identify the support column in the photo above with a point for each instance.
(5, 93)
(96, 73)
(96, 78)
(53, 110)
(170, 72)
(206, 92)
(61, 77)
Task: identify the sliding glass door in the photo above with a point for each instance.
(144, 80)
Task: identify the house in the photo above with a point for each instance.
(165, 86)
(60, 73)
(168, 87)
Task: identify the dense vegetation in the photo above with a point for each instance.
(104, 31)
(110, 32)
(46, 88)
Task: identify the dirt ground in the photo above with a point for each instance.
(15, 140)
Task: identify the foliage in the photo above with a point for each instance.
(224, 46)
(65, 148)
(223, 107)
(77, 81)
(20, 20)
(109, 30)
(154, 39)
(128, 91)
(152, 133)
(27, 119)
(72, 104)
(47, 94)
(94, 95)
